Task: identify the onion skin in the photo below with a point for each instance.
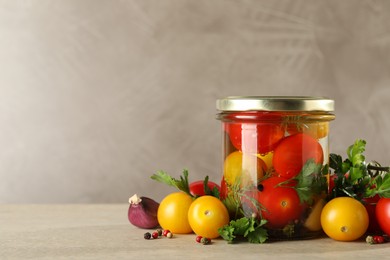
(143, 212)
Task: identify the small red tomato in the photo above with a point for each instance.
(370, 204)
(292, 153)
(197, 187)
(331, 181)
(224, 189)
(256, 132)
(382, 212)
(281, 204)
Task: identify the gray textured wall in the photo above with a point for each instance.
(95, 96)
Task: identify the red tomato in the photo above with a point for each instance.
(197, 187)
(370, 205)
(281, 204)
(224, 189)
(292, 153)
(383, 214)
(257, 132)
(331, 182)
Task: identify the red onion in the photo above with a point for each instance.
(143, 212)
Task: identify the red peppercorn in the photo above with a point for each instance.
(375, 239)
(165, 232)
(379, 239)
(155, 234)
(198, 239)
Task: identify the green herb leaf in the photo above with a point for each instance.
(246, 227)
(181, 184)
(215, 192)
(356, 173)
(354, 178)
(227, 233)
(384, 188)
(241, 226)
(258, 236)
(310, 180)
(355, 153)
(336, 162)
(206, 188)
(379, 186)
(165, 178)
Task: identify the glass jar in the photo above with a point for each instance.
(275, 161)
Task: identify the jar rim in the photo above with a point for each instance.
(275, 103)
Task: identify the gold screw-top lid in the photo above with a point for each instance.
(275, 103)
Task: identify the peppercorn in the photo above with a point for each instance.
(198, 239)
(155, 234)
(205, 241)
(169, 235)
(147, 235)
(375, 240)
(165, 232)
(159, 232)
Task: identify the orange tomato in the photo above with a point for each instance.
(344, 219)
(172, 214)
(316, 130)
(206, 215)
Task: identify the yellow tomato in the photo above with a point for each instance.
(245, 169)
(316, 130)
(267, 159)
(206, 215)
(344, 219)
(172, 213)
(313, 221)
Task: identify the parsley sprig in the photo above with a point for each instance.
(249, 228)
(310, 180)
(356, 178)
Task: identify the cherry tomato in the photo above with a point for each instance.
(206, 215)
(267, 159)
(370, 204)
(313, 221)
(292, 153)
(245, 169)
(258, 132)
(383, 214)
(316, 130)
(197, 187)
(331, 178)
(344, 219)
(280, 204)
(224, 189)
(172, 214)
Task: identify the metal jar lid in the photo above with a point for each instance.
(275, 103)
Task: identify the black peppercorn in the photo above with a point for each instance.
(147, 235)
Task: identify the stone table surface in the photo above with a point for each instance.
(102, 231)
